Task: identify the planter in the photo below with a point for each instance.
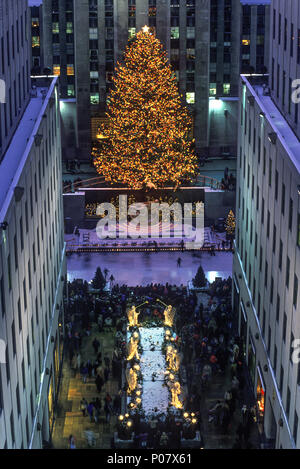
(123, 444)
(195, 443)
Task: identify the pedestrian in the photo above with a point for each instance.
(117, 404)
(90, 409)
(107, 410)
(84, 372)
(72, 444)
(163, 442)
(106, 360)
(179, 262)
(74, 365)
(99, 383)
(96, 345)
(106, 374)
(83, 406)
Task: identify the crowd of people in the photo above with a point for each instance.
(228, 182)
(208, 347)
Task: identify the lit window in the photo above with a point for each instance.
(246, 42)
(190, 54)
(35, 22)
(56, 70)
(94, 74)
(109, 76)
(152, 11)
(175, 32)
(190, 33)
(70, 69)
(212, 89)
(35, 41)
(71, 91)
(226, 88)
(55, 28)
(131, 33)
(94, 98)
(131, 11)
(93, 33)
(190, 98)
(69, 29)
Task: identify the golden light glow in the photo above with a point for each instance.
(133, 349)
(176, 391)
(131, 377)
(133, 316)
(169, 314)
(146, 140)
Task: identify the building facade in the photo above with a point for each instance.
(267, 257)
(255, 30)
(15, 65)
(82, 42)
(32, 256)
(32, 272)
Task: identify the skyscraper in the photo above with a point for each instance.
(83, 41)
(14, 67)
(267, 258)
(32, 256)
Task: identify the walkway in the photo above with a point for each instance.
(70, 420)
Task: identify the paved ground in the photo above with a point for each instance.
(144, 268)
(69, 420)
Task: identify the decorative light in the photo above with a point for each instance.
(145, 145)
(121, 417)
(186, 415)
(194, 421)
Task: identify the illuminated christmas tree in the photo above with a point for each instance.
(230, 224)
(145, 142)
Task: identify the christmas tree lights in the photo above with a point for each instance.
(146, 139)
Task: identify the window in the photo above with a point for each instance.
(295, 429)
(18, 399)
(291, 215)
(281, 378)
(274, 238)
(283, 199)
(288, 402)
(287, 278)
(295, 293)
(12, 427)
(284, 328)
(13, 334)
(19, 315)
(190, 98)
(7, 364)
(280, 255)
(56, 69)
(277, 308)
(2, 296)
(24, 294)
